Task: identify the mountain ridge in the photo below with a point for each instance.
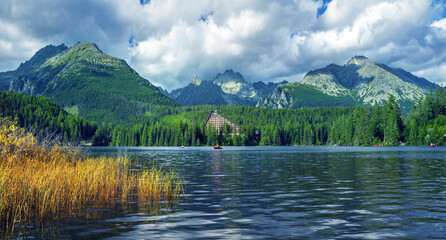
(30, 66)
(101, 87)
(359, 81)
(228, 88)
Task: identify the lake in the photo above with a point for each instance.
(282, 193)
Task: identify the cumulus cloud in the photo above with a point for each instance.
(171, 41)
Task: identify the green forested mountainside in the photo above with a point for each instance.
(44, 117)
(133, 112)
(102, 88)
(359, 126)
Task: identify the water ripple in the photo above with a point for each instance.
(291, 193)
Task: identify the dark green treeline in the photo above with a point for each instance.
(44, 118)
(176, 126)
(358, 126)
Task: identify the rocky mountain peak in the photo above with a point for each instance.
(196, 81)
(229, 76)
(82, 46)
(359, 60)
(40, 58)
(87, 54)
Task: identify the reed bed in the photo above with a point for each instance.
(43, 182)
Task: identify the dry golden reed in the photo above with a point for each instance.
(41, 183)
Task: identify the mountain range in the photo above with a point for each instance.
(93, 85)
(228, 88)
(358, 82)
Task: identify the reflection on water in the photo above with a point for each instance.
(288, 192)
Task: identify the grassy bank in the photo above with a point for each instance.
(42, 181)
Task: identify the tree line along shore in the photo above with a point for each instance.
(185, 126)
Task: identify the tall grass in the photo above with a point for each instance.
(42, 182)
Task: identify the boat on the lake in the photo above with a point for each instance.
(217, 147)
(432, 145)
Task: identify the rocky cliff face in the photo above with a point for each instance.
(277, 99)
(264, 89)
(234, 83)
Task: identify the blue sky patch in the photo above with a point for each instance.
(132, 42)
(203, 18)
(144, 2)
(322, 9)
(293, 34)
(441, 4)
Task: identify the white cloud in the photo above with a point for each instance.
(174, 40)
(440, 24)
(248, 38)
(380, 24)
(14, 46)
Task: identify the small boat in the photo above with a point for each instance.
(217, 147)
(182, 146)
(432, 145)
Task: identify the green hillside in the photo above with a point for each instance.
(308, 96)
(297, 95)
(101, 87)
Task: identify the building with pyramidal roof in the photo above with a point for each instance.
(217, 121)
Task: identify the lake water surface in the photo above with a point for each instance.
(286, 192)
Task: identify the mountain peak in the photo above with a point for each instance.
(196, 81)
(228, 76)
(102, 87)
(229, 72)
(86, 53)
(81, 46)
(40, 58)
(359, 60)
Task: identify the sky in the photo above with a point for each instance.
(169, 42)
